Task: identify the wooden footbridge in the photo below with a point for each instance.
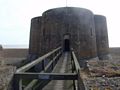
(57, 70)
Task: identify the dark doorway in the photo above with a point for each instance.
(66, 45)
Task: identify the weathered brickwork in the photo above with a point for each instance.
(84, 28)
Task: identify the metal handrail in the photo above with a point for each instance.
(33, 63)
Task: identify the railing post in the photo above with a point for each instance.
(72, 63)
(52, 64)
(80, 83)
(17, 83)
(73, 69)
(43, 65)
(74, 86)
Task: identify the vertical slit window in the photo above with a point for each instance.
(91, 32)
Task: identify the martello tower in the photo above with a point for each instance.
(70, 27)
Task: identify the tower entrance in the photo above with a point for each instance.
(66, 43)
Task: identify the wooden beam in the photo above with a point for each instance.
(51, 62)
(77, 66)
(33, 63)
(33, 82)
(40, 85)
(48, 76)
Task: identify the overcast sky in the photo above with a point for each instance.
(15, 16)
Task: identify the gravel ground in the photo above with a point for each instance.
(103, 75)
(6, 74)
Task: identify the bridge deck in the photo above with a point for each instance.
(63, 66)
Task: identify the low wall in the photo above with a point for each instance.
(19, 53)
(115, 50)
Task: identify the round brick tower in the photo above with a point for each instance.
(34, 43)
(101, 37)
(78, 23)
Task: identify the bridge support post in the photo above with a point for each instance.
(80, 83)
(17, 83)
(43, 65)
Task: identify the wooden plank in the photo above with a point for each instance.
(29, 65)
(48, 76)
